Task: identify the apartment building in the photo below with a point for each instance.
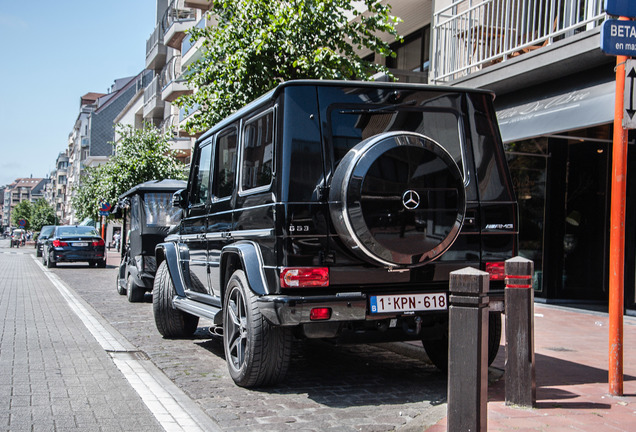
(168, 53)
(91, 141)
(22, 189)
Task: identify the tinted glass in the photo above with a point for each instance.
(256, 167)
(355, 115)
(70, 231)
(201, 189)
(225, 163)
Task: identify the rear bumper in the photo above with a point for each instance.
(293, 310)
(73, 256)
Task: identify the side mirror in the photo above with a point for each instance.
(180, 199)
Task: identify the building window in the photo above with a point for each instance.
(414, 53)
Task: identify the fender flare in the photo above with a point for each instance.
(251, 261)
(172, 254)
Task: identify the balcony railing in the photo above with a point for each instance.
(181, 18)
(471, 34)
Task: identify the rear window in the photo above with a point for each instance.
(71, 231)
(353, 116)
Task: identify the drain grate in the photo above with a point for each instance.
(560, 349)
(129, 355)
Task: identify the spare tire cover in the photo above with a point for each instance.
(397, 199)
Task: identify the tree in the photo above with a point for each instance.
(43, 214)
(140, 156)
(257, 44)
(23, 210)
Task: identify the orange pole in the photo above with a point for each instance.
(617, 237)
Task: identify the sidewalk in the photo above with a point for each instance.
(63, 367)
(53, 373)
(571, 357)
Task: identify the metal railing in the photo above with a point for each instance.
(153, 91)
(155, 38)
(171, 71)
(176, 13)
(471, 34)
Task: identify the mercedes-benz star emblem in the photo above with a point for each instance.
(410, 199)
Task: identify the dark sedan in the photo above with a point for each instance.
(45, 232)
(73, 244)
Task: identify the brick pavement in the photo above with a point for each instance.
(53, 374)
(571, 356)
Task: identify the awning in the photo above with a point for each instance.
(553, 110)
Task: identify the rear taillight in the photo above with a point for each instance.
(304, 277)
(57, 243)
(99, 242)
(496, 270)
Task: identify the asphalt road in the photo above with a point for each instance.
(328, 387)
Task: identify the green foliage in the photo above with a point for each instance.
(23, 210)
(140, 156)
(43, 214)
(258, 44)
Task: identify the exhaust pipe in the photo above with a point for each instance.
(216, 331)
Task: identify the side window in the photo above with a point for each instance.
(201, 189)
(225, 163)
(257, 152)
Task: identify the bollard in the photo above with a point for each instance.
(468, 351)
(520, 379)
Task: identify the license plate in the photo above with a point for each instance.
(408, 302)
(80, 244)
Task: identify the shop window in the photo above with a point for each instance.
(528, 162)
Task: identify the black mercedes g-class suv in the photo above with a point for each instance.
(337, 210)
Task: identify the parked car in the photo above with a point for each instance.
(337, 210)
(147, 216)
(44, 234)
(18, 237)
(68, 243)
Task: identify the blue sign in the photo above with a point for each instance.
(22, 223)
(626, 8)
(619, 37)
(104, 206)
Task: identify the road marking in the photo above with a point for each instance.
(172, 408)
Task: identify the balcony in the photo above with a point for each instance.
(153, 104)
(176, 21)
(174, 85)
(191, 49)
(472, 35)
(198, 4)
(156, 51)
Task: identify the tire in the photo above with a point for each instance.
(101, 263)
(38, 252)
(170, 322)
(134, 292)
(49, 262)
(257, 353)
(437, 349)
(397, 199)
(120, 290)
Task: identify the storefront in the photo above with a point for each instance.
(558, 138)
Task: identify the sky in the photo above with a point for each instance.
(53, 53)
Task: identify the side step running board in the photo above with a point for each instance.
(195, 308)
